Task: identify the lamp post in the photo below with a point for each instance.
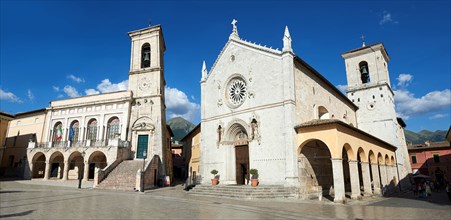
(81, 171)
(142, 171)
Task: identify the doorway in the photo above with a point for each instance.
(142, 145)
(92, 168)
(55, 167)
(242, 164)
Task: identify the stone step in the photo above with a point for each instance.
(123, 177)
(244, 192)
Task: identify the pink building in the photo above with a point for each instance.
(432, 159)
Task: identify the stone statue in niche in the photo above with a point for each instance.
(219, 133)
(255, 133)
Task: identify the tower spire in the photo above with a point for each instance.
(363, 41)
(287, 41)
(204, 71)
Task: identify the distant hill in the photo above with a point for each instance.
(420, 137)
(180, 127)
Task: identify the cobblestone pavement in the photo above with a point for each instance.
(56, 200)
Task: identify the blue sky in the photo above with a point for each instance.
(55, 50)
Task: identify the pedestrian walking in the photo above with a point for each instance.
(428, 190)
(414, 189)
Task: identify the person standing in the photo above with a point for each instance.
(448, 190)
(428, 190)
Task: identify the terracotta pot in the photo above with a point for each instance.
(254, 182)
(214, 181)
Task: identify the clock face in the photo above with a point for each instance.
(144, 84)
(236, 91)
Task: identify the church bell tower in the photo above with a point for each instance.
(369, 88)
(147, 125)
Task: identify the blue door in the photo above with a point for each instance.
(142, 145)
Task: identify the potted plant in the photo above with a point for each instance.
(254, 177)
(215, 180)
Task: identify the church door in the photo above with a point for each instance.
(142, 145)
(242, 164)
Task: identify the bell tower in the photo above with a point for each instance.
(147, 125)
(369, 88)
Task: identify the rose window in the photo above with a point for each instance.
(237, 91)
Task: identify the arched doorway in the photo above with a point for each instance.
(75, 163)
(38, 161)
(315, 168)
(56, 165)
(96, 160)
(346, 173)
(239, 137)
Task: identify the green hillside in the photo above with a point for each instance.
(420, 137)
(180, 127)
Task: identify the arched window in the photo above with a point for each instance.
(113, 127)
(58, 132)
(74, 131)
(92, 130)
(145, 55)
(323, 113)
(364, 72)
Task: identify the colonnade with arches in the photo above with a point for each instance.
(64, 166)
(337, 161)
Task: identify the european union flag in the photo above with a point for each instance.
(71, 133)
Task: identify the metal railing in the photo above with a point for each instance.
(76, 144)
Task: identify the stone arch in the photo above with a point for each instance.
(361, 156)
(392, 159)
(96, 160)
(349, 152)
(315, 167)
(236, 129)
(364, 72)
(56, 161)
(323, 113)
(372, 157)
(75, 162)
(346, 151)
(113, 128)
(387, 160)
(38, 163)
(380, 159)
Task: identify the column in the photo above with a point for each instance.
(376, 183)
(86, 171)
(66, 170)
(47, 171)
(355, 183)
(383, 172)
(366, 178)
(339, 183)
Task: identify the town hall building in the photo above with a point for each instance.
(267, 109)
(105, 137)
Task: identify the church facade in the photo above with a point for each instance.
(267, 109)
(88, 137)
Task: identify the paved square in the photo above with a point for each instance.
(45, 200)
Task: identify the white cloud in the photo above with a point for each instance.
(75, 78)
(342, 88)
(106, 86)
(386, 18)
(178, 105)
(91, 92)
(404, 79)
(71, 91)
(437, 116)
(407, 105)
(30, 95)
(56, 88)
(9, 96)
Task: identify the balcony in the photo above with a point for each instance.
(76, 144)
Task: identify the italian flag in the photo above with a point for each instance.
(59, 134)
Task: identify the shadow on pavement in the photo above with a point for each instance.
(17, 214)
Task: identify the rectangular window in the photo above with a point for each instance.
(414, 159)
(437, 158)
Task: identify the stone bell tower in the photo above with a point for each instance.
(369, 88)
(147, 126)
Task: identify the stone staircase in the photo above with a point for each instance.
(123, 177)
(245, 192)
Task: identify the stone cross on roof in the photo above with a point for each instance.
(234, 30)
